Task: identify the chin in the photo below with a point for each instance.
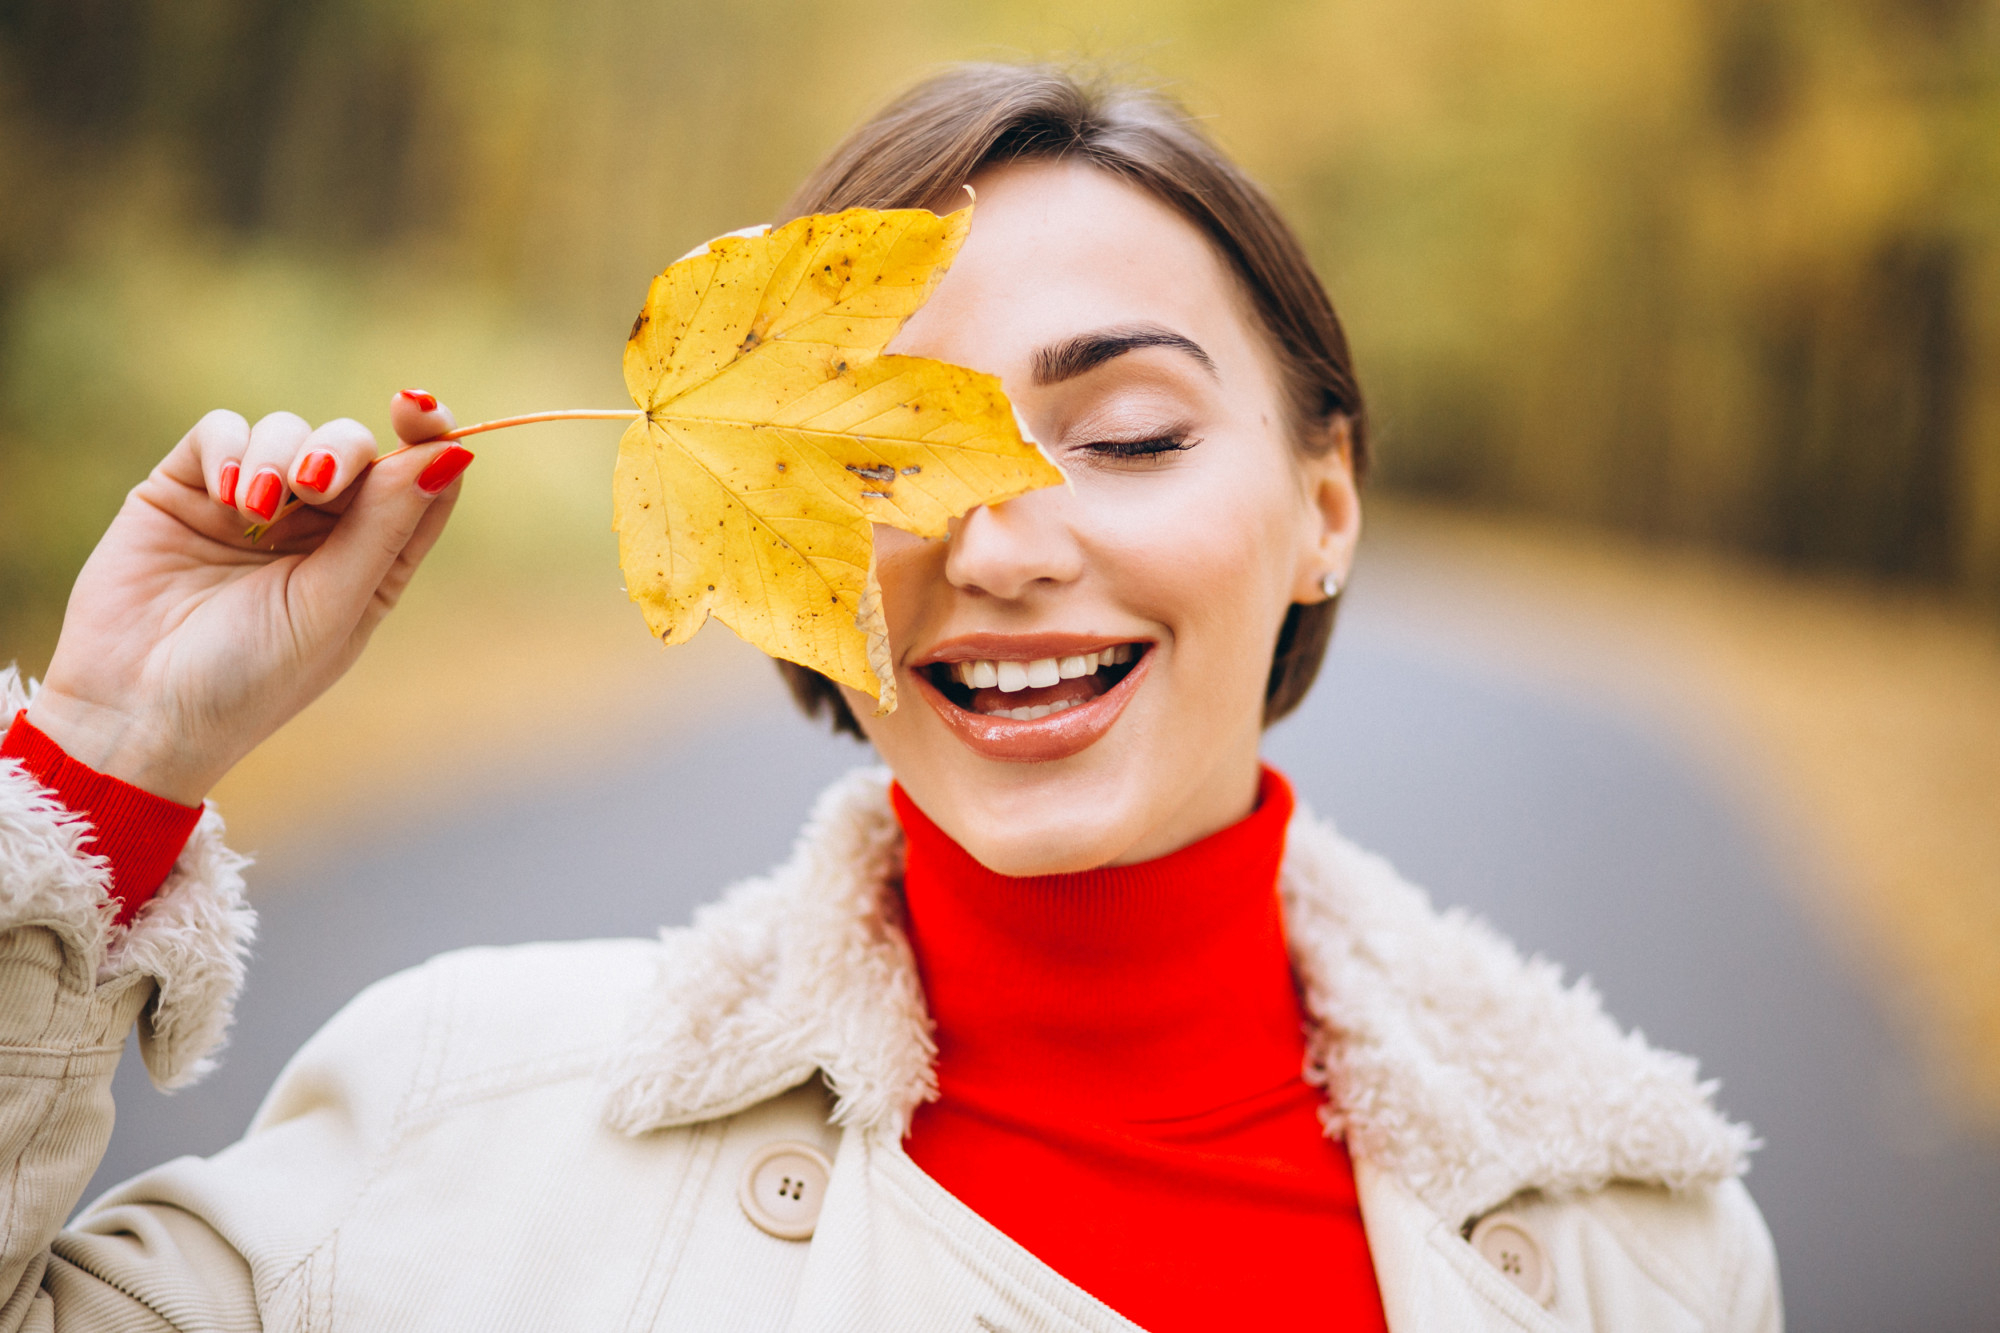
(1043, 818)
(1046, 828)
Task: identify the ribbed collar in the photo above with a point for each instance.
(1140, 992)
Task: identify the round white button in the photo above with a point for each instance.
(783, 1187)
(1513, 1249)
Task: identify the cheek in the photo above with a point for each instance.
(911, 572)
(1205, 552)
(914, 592)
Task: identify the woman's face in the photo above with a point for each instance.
(1128, 619)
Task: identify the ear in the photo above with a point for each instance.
(1330, 524)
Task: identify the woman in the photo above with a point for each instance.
(1076, 1025)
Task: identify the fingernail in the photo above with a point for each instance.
(226, 483)
(443, 470)
(426, 402)
(316, 472)
(267, 488)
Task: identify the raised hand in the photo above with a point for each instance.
(185, 643)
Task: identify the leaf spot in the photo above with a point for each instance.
(878, 472)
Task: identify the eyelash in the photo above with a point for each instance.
(1147, 448)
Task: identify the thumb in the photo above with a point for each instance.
(340, 579)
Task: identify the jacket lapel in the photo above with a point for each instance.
(1470, 1072)
(800, 971)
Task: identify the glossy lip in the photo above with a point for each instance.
(1044, 739)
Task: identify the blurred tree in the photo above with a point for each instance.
(1725, 271)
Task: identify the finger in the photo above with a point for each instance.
(419, 416)
(330, 458)
(429, 528)
(274, 447)
(339, 580)
(209, 456)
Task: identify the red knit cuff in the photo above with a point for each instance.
(140, 834)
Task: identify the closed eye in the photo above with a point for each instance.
(1151, 447)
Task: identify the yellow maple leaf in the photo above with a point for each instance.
(774, 432)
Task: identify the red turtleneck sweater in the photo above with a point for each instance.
(1120, 1074)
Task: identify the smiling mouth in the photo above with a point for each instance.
(1027, 691)
(1033, 710)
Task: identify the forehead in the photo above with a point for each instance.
(1059, 248)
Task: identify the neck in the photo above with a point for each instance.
(1147, 991)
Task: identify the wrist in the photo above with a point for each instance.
(114, 743)
(139, 835)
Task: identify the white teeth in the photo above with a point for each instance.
(986, 673)
(1032, 711)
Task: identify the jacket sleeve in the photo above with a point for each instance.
(1754, 1302)
(73, 984)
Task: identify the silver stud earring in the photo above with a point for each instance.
(1329, 583)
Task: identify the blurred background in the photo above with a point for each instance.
(1675, 646)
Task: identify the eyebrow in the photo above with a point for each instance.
(1087, 351)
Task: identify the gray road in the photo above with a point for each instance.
(1586, 838)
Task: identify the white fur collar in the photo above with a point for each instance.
(1469, 1072)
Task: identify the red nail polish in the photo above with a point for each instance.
(316, 472)
(443, 470)
(425, 402)
(267, 488)
(226, 483)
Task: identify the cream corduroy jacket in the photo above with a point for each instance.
(555, 1136)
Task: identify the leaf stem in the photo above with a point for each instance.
(530, 418)
(256, 531)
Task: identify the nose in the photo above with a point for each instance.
(1013, 548)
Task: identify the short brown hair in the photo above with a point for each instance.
(935, 137)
